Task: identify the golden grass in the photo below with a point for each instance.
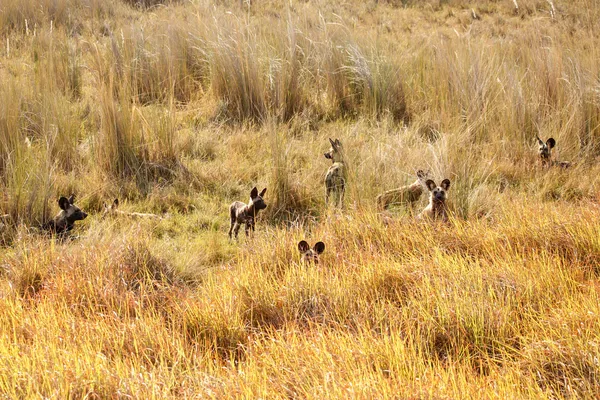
(181, 108)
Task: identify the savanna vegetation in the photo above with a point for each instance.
(178, 108)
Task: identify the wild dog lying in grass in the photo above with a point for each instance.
(335, 179)
(113, 210)
(545, 152)
(408, 194)
(310, 255)
(242, 213)
(65, 220)
(436, 209)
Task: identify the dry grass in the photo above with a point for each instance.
(179, 108)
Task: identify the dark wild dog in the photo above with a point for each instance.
(408, 194)
(335, 179)
(65, 219)
(242, 213)
(545, 152)
(436, 209)
(310, 255)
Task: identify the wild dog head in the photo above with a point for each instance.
(65, 220)
(308, 254)
(437, 193)
(545, 149)
(335, 152)
(256, 199)
(110, 209)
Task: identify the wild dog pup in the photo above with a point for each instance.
(310, 255)
(545, 151)
(408, 194)
(113, 210)
(241, 213)
(65, 220)
(335, 179)
(436, 209)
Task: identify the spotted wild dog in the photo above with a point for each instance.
(545, 152)
(335, 179)
(310, 255)
(111, 210)
(64, 221)
(242, 213)
(408, 194)
(436, 209)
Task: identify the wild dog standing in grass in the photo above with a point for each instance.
(408, 194)
(113, 210)
(335, 179)
(311, 255)
(436, 209)
(241, 213)
(65, 220)
(545, 151)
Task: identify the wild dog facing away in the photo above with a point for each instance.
(310, 255)
(545, 152)
(64, 221)
(241, 213)
(405, 195)
(112, 210)
(436, 209)
(335, 179)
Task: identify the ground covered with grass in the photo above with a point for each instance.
(179, 108)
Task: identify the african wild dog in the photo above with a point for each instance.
(335, 179)
(436, 209)
(112, 209)
(308, 254)
(65, 220)
(545, 152)
(241, 213)
(408, 194)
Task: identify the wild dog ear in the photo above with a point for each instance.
(72, 199)
(319, 247)
(254, 193)
(262, 193)
(540, 141)
(63, 203)
(116, 203)
(430, 184)
(551, 142)
(303, 246)
(445, 184)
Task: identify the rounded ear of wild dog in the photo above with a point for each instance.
(116, 203)
(319, 247)
(551, 142)
(430, 184)
(254, 193)
(445, 184)
(63, 203)
(303, 246)
(262, 193)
